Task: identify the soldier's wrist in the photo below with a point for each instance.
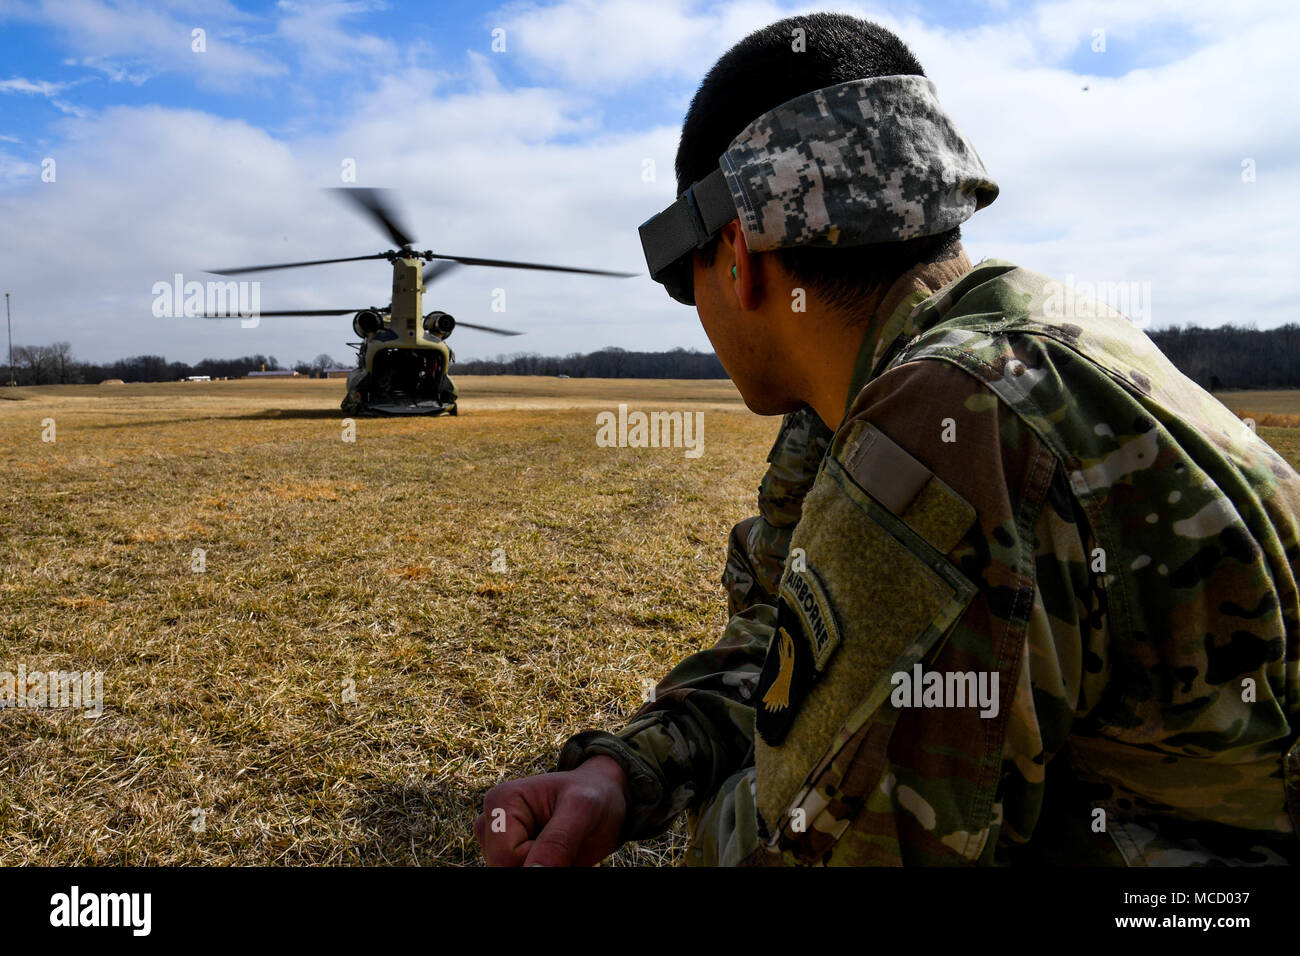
(643, 789)
(610, 770)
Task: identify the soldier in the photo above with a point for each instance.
(1020, 591)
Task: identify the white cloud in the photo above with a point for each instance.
(130, 40)
(114, 72)
(323, 41)
(48, 90)
(603, 43)
(20, 84)
(14, 169)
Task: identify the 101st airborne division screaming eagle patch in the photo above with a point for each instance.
(806, 636)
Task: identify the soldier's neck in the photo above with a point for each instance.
(851, 345)
(828, 357)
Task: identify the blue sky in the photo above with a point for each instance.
(32, 48)
(173, 161)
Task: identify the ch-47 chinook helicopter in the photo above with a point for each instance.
(402, 358)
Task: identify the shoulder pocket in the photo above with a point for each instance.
(867, 593)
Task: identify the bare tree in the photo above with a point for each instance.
(62, 365)
(34, 363)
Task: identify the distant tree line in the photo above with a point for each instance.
(1228, 357)
(1234, 357)
(607, 363)
(55, 365)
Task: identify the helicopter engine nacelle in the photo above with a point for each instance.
(439, 324)
(366, 323)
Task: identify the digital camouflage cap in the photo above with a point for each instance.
(871, 160)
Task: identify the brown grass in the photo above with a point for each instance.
(1268, 402)
(329, 563)
(1271, 419)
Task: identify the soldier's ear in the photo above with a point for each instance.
(745, 270)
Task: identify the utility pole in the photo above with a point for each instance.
(9, 325)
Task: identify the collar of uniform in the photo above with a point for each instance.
(908, 291)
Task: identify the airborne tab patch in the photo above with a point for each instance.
(808, 599)
(806, 637)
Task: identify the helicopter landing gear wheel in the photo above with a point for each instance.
(453, 410)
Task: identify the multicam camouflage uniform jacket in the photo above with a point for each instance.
(1039, 605)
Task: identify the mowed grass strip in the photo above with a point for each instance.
(335, 569)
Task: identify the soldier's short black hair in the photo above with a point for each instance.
(766, 69)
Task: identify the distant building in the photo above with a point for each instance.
(199, 378)
(336, 372)
(274, 373)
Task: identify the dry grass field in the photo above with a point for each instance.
(1279, 408)
(349, 673)
(330, 562)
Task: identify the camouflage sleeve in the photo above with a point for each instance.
(757, 548)
(697, 727)
(953, 635)
(695, 730)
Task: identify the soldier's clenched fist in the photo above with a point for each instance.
(555, 819)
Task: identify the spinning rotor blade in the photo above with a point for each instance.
(436, 270)
(284, 313)
(485, 328)
(510, 264)
(375, 204)
(292, 265)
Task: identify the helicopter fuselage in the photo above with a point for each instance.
(403, 358)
